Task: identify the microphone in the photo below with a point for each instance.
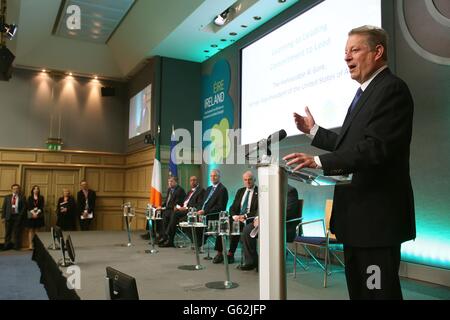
(279, 134)
(266, 143)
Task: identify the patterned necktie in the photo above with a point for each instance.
(208, 197)
(245, 204)
(355, 100)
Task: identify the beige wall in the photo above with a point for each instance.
(117, 178)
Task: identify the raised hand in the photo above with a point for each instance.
(304, 124)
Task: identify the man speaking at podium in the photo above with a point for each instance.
(374, 214)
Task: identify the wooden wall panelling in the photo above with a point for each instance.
(116, 178)
(15, 156)
(8, 176)
(92, 176)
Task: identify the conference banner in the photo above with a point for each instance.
(217, 112)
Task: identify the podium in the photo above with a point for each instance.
(272, 222)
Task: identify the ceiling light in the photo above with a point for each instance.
(281, 1)
(257, 17)
(214, 46)
(8, 29)
(44, 71)
(233, 34)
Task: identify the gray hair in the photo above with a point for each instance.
(375, 36)
(248, 173)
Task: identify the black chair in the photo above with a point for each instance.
(293, 229)
(328, 242)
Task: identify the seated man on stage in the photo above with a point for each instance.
(194, 199)
(174, 197)
(245, 206)
(249, 244)
(216, 200)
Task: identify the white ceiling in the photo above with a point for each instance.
(173, 28)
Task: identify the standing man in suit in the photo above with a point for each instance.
(249, 244)
(175, 196)
(13, 212)
(86, 205)
(193, 199)
(216, 199)
(374, 214)
(245, 206)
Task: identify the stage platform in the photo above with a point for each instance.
(158, 277)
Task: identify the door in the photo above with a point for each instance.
(51, 182)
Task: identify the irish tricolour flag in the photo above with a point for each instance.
(155, 192)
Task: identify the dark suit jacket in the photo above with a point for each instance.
(377, 208)
(7, 207)
(66, 220)
(217, 202)
(40, 204)
(176, 198)
(197, 198)
(81, 200)
(235, 208)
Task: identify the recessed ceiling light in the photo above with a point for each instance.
(96, 77)
(214, 46)
(223, 40)
(44, 71)
(70, 74)
(257, 17)
(233, 34)
(243, 26)
(206, 51)
(281, 1)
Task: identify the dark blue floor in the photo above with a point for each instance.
(19, 277)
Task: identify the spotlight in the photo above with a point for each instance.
(8, 29)
(222, 18)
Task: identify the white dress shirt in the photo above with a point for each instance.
(250, 196)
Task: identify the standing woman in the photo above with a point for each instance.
(35, 216)
(66, 211)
